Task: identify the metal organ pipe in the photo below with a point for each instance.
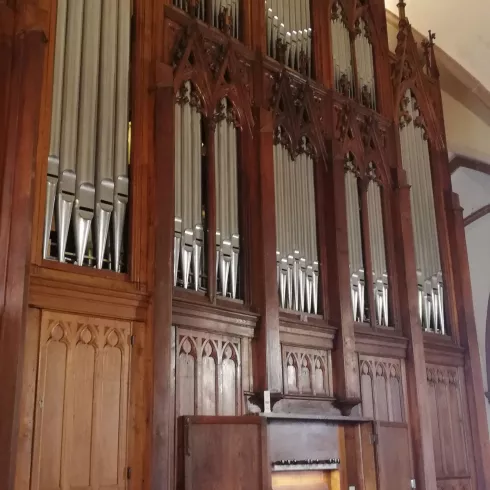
(296, 241)
(289, 33)
(226, 180)
(219, 10)
(88, 156)
(355, 243)
(416, 161)
(188, 235)
(365, 66)
(378, 252)
(341, 51)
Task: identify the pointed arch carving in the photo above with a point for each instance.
(415, 69)
(297, 110)
(216, 69)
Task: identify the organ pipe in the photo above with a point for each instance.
(226, 183)
(378, 253)
(341, 51)
(223, 14)
(188, 220)
(88, 155)
(365, 65)
(354, 232)
(289, 33)
(416, 162)
(296, 241)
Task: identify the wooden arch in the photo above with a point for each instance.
(411, 72)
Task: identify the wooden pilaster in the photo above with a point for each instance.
(18, 167)
(267, 349)
(346, 382)
(469, 341)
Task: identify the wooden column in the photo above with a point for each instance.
(267, 348)
(17, 161)
(418, 401)
(162, 445)
(346, 368)
(468, 339)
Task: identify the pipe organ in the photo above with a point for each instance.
(341, 52)
(189, 211)
(289, 33)
(234, 153)
(226, 184)
(222, 14)
(378, 250)
(296, 241)
(354, 233)
(365, 65)
(416, 162)
(88, 167)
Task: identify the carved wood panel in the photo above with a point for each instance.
(449, 423)
(81, 406)
(307, 371)
(209, 375)
(382, 388)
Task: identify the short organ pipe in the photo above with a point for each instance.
(289, 33)
(296, 241)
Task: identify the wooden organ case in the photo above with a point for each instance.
(231, 254)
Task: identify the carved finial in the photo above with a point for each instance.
(401, 9)
(281, 48)
(225, 20)
(432, 36)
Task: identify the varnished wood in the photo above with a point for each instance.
(15, 227)
(168, 48)
(476, 215)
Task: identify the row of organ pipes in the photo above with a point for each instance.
(296, 239)
(88, 162)
(416, 162)
(218, 13)
(289, 33)
(189, 239)
(358, 279)
(343, 62)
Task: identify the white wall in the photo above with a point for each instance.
(474, 192)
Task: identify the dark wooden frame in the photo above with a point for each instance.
(145, 295)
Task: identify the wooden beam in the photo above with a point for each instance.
(462, 162)
(476, 215)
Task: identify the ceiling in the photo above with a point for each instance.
(461, 30)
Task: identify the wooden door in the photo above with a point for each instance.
(393, 456)
(81, 405)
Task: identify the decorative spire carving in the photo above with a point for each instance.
(401, 9)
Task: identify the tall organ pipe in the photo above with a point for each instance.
(378, 252)
(355, 245)
(365, 66)
(227, 230)
(188, 235)
(341, 51)
(88, 157)
(289, 30)
(296, 241)
(416, 161)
